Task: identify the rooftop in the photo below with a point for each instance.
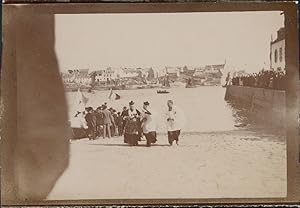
(280, 35)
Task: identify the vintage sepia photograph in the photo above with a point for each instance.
(152, 105)
(160, 105)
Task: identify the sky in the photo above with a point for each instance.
(167, 39)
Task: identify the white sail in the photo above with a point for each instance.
(80, 102)
(77, 119)
(113, 95)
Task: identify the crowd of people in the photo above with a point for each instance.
(264, 79)
(131, 123)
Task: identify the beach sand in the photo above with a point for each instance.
(224, 164)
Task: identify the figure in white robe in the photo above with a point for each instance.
(175, 121)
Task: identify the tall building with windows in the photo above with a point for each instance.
(277, 51)
(79, 76)
(104, 75)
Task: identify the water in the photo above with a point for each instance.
(204, 108)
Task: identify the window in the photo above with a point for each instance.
(275, 56)
(280, 54)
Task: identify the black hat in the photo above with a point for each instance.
(131, 103)
(104, 107)
(146, 103)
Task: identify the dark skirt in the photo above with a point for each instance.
(132, 132)
(173, 136)
(150, 137)
(131, 139)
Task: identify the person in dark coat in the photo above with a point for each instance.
(113, 123)
(112, 126)
(108, 120)
(119, 123)
(132, 125)
(91, 121)
(124, 111)
(115, 126)
(99, 121)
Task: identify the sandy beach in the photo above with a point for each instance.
(228, 164)
(215, 159)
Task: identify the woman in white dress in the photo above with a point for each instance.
(175, 121)
(148, 119)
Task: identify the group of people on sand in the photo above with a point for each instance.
(103, 122)
(132, 123)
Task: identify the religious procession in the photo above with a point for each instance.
(106, 122)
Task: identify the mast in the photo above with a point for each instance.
(270, 56)
(168, 83)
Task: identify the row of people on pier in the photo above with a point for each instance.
(264, 79)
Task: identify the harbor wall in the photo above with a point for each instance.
(266, 105)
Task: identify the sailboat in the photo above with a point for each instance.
(165, 85)
(80, 101)
(77, 119)
(113, 95)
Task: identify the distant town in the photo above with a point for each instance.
(168, 76)
(139, 78)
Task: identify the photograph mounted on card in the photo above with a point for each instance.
(131, 103)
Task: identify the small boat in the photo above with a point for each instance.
(190, 86)
(79, 133)
(91, 91)
(162, 91)
(240, 125)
